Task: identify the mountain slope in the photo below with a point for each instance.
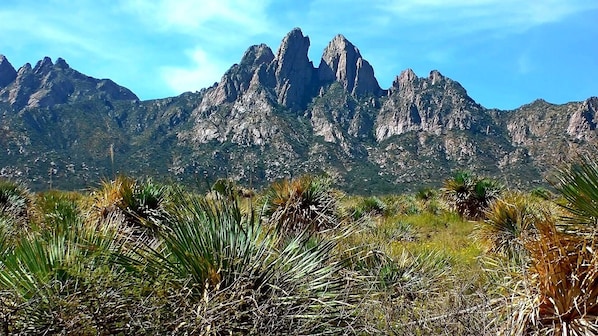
(276, 115)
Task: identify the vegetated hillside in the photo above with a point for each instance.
(276, 115)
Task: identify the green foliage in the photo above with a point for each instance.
(579, 185)
(369, 206)
(222, 253)
(141, 203)
(15, 200)
(542, 193)
(304, 204)
(470, 195)
(510, 223)
(213, 265)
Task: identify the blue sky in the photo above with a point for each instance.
(504, 52)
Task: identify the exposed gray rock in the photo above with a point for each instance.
(434, 104)
(48, 84)
(293, 71)
(7, 73)
(237, 79)
(582, 124)
(342, 62)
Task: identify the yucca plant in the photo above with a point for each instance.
(560, 290)
(307, 203)
(15, 206)
(243, 277)
(141, 203)
(509, 224)
(578, 184)
(52, 273)
(470, 195)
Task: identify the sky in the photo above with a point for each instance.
(505, 53)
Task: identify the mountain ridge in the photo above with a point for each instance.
(276, 115)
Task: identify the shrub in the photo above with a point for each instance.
(15, 201)
(141, 203)
(304, 204)
(243, 278)
(509, 224)
(560, 293)
(469, 195)
(578, 183)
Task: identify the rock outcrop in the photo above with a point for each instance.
(48, 84)
(293, 71)
(582, 124)
(433, 104)
(7, 73)
(342, 62)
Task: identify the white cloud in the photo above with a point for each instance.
(479, 15)
(203, 72)
(192, 16)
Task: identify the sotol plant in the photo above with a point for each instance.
(304, 204)
(243, 277)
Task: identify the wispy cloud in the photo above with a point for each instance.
(194, 17)
(461, 16)
(83, 29)
(203, 72)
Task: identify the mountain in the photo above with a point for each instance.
(276, 115)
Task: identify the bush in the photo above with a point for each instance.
(470, 195)
(242, 277)
(304, 204)
(141, 203)
(510, 223)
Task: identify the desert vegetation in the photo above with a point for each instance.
(133, 256)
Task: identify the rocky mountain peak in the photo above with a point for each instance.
(342, 62)
(43, 66)
(257, 55)
(406, 76)
(434, 104)
(583, 122)
(7, 72)
(24, 69)
(237, 79)
(61, 63)
(293, 71)
(436, 77)
(48, 84)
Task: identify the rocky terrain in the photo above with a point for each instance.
(276, 115)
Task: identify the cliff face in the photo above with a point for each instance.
(275, 115)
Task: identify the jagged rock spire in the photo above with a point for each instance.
(292, 69)
(7, 72)
(342, 62)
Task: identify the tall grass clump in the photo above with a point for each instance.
(57, 278)
(140, 202)
(15, 207)
(304, 204)
(510, 222)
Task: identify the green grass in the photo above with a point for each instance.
(213, 263)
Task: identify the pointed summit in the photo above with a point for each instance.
(43, 66)
(7, 72)
(342, 62)
(293, 70)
